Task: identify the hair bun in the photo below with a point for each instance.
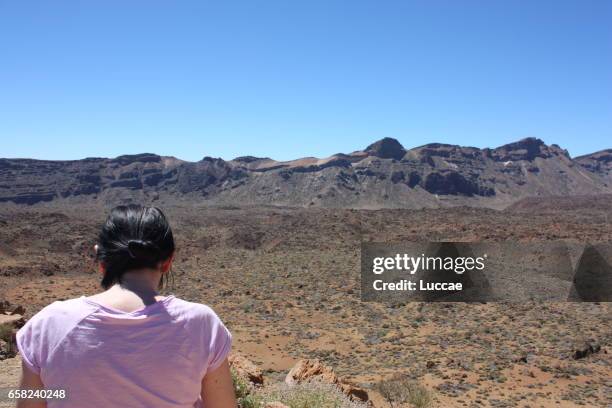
(143, 250)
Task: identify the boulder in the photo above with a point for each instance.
(306, 370)
(585, 349)
(313, 370)
(12, 320)
(7, 307)
(18, 309)
(245, 369)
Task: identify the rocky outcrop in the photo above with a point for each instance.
(454, 183)
(599, 163)
(313, 370)
(11, 319)
(7, 308)
(526, 149)
(585, 349)
(245, 369)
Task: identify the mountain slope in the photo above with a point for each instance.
(384, 175)
(599, 163)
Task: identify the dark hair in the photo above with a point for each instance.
(133, 237)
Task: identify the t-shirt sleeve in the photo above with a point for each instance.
(220, 343)
(45, 330)
(28, 343)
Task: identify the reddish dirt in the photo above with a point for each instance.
(286, 283)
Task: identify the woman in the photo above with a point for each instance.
(128, 346)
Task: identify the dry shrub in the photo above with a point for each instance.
(401, 390)
(311, 394)
(8, 347)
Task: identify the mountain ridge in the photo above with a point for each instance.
(383, 175)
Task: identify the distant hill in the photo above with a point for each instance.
(383, 175)
(599, 163)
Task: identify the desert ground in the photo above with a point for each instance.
(286, 282)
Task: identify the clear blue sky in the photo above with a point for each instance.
(287, 79)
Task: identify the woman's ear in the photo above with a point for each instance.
(167, 264)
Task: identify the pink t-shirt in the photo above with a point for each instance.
(102, 357)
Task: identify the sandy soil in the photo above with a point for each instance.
(287, 284)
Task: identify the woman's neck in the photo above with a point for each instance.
(144, 284)
(137, 289)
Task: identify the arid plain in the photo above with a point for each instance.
(286, 282)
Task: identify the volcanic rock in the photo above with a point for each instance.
(313, 370)
(585, 349)
(599, 163)
(386, 148)
(245, 369)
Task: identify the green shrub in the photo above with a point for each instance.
(250, 401)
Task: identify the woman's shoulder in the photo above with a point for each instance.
(191, 310)
(212, 333)
(45, 330)
(62, 312)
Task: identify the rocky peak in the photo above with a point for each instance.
(445, 150)
(386, 148)
(250, 159)
(525, 149)
(213, 161)
(141, 158)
